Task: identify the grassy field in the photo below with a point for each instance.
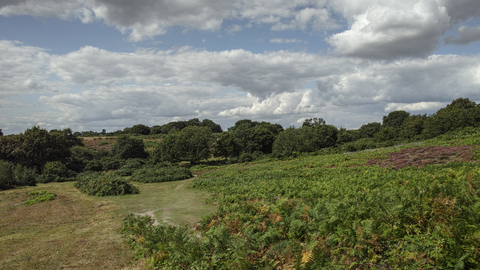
(79, 231)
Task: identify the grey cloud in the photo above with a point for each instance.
(467, 36)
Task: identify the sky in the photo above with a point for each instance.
(111, 64)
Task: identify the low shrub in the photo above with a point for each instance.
(246, 157)
(130, 166)
(104, 184)
(161, 173)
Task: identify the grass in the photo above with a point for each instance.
(82, 232)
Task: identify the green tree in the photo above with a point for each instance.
(166, 151)
(127, 147)
(289, 141)
(344, 136)
(313, 122)
(1, 133)
(395, 119)
(216, 128)
(412, 127)
(226, 146)
(156, 130)
(140, 129)
(193, 143)
(460, 113)
(369, 130)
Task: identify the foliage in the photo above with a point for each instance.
(395, 119)
(16, 175)
(166, 150)
(313, 122)
(369, 130)
(216, 128)
(128, 147)
(130, 166)
(226, 146)
(305, 139)
(55, 171)
(140, 129)
(412, 127)
(104, 184)
(39, 196)
(245, 157)
(193, 144)
(1, 133)
(161, 173)
(460, 113)
(344, 136)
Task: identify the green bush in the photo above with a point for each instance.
(40, 196)
(130, 166)
(111, 163)
(55, 171)
(104, 184)
(245, 157)
(16, 175)
(160, 173)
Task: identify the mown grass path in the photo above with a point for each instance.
(77, 231)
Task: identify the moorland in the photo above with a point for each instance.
(401, 194)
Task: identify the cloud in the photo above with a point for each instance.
(285, 40)
(393, 29)
(467, 36)
(439, 78)
(415, 107)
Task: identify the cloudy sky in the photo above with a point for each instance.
(94, 64)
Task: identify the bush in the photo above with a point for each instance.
(161, 173)
(245, 157)
(104, 184)
(16, 175)
(111, 163)
(55, 171)
(130, 166)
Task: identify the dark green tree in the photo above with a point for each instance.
(140, 129)
(395, 119)
(226, 146)
(289, 141)
(369, 130)
(156, 130)
(127, 147)
(216, 128)
(412, 127)
(313, 122)
(166, 151)
(1, 133)
(344, 136)
(194, 143)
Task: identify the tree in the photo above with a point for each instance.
(193, 143)
(460, 113)
(1, 133)
(127, 147)
(412, 127)
(156, 130)
(369, 130)
(226, 146)
(140, 129)
(395, 119)
(344, 136)
(166, 151)
(313, 122)
(289, 141)
(216, 128)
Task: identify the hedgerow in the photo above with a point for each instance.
(104, 184)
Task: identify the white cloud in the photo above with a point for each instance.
(415, 107)
(467, 36)
(285, 40)
(391, 29)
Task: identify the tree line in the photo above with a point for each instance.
(58, 155)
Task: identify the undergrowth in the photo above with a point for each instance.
(104, 184)
(39, 196)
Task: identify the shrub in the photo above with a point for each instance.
(130, 166)
(111, 163)
(104, 184)
(16, 175)
(245, 157)
(161, 173)
(55, 171)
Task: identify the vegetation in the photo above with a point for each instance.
(161, 173)
(39, 196)
(363, 211)
(15, 175)
(104, 184)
